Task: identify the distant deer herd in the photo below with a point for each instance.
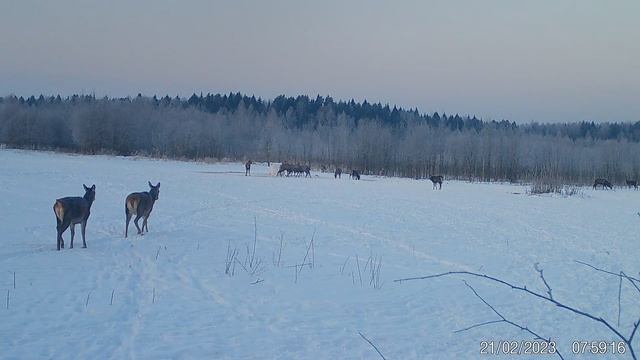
(295, 170)
(70, 211)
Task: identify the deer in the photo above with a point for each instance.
(436, 180)
(355, 175)
(297, 170)
(284, 167)
(632, 183)
(338, 173)
(140, 204)
(603, 182)
(247, 168)
(307, 171)
(74, 210)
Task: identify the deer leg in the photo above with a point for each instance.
(83, 226)
(58, 233)
(73, 234)
(135, 222)
(126, 229)
(62, 227)
(59, 238)
(144, 223)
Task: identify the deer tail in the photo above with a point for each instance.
(58, 209)
(131, 206)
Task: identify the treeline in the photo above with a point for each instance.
(373, 138)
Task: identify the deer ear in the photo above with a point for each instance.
(158, 186)
(85, 187)
(150, 185)
(93, 187)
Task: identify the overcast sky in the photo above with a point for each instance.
(536, 60)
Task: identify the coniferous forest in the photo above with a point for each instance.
(374, 138)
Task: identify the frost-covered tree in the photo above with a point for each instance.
(369, 137)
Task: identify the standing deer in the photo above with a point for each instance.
(140, 204)
(632, 183)
(307, 171)
(436, 180)
(71, 211)
(247, 168)
(355, 175)
(603, 182)
(337, 173)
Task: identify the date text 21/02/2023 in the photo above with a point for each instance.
(543, 347)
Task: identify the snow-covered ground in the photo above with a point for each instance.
(172, 298)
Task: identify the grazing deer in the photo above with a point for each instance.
(337, 173)
(71, 211)
(436, 180)
(247, 168)
(603, 182)
(285, 167)
(297, 170)
(355, 175)
(632, 183)
(140, 204)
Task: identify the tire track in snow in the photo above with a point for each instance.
(298, 218)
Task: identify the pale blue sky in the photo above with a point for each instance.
(537, 60)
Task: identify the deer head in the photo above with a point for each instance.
(89, 192)
(155, 191)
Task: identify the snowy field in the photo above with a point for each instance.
(166, 294)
